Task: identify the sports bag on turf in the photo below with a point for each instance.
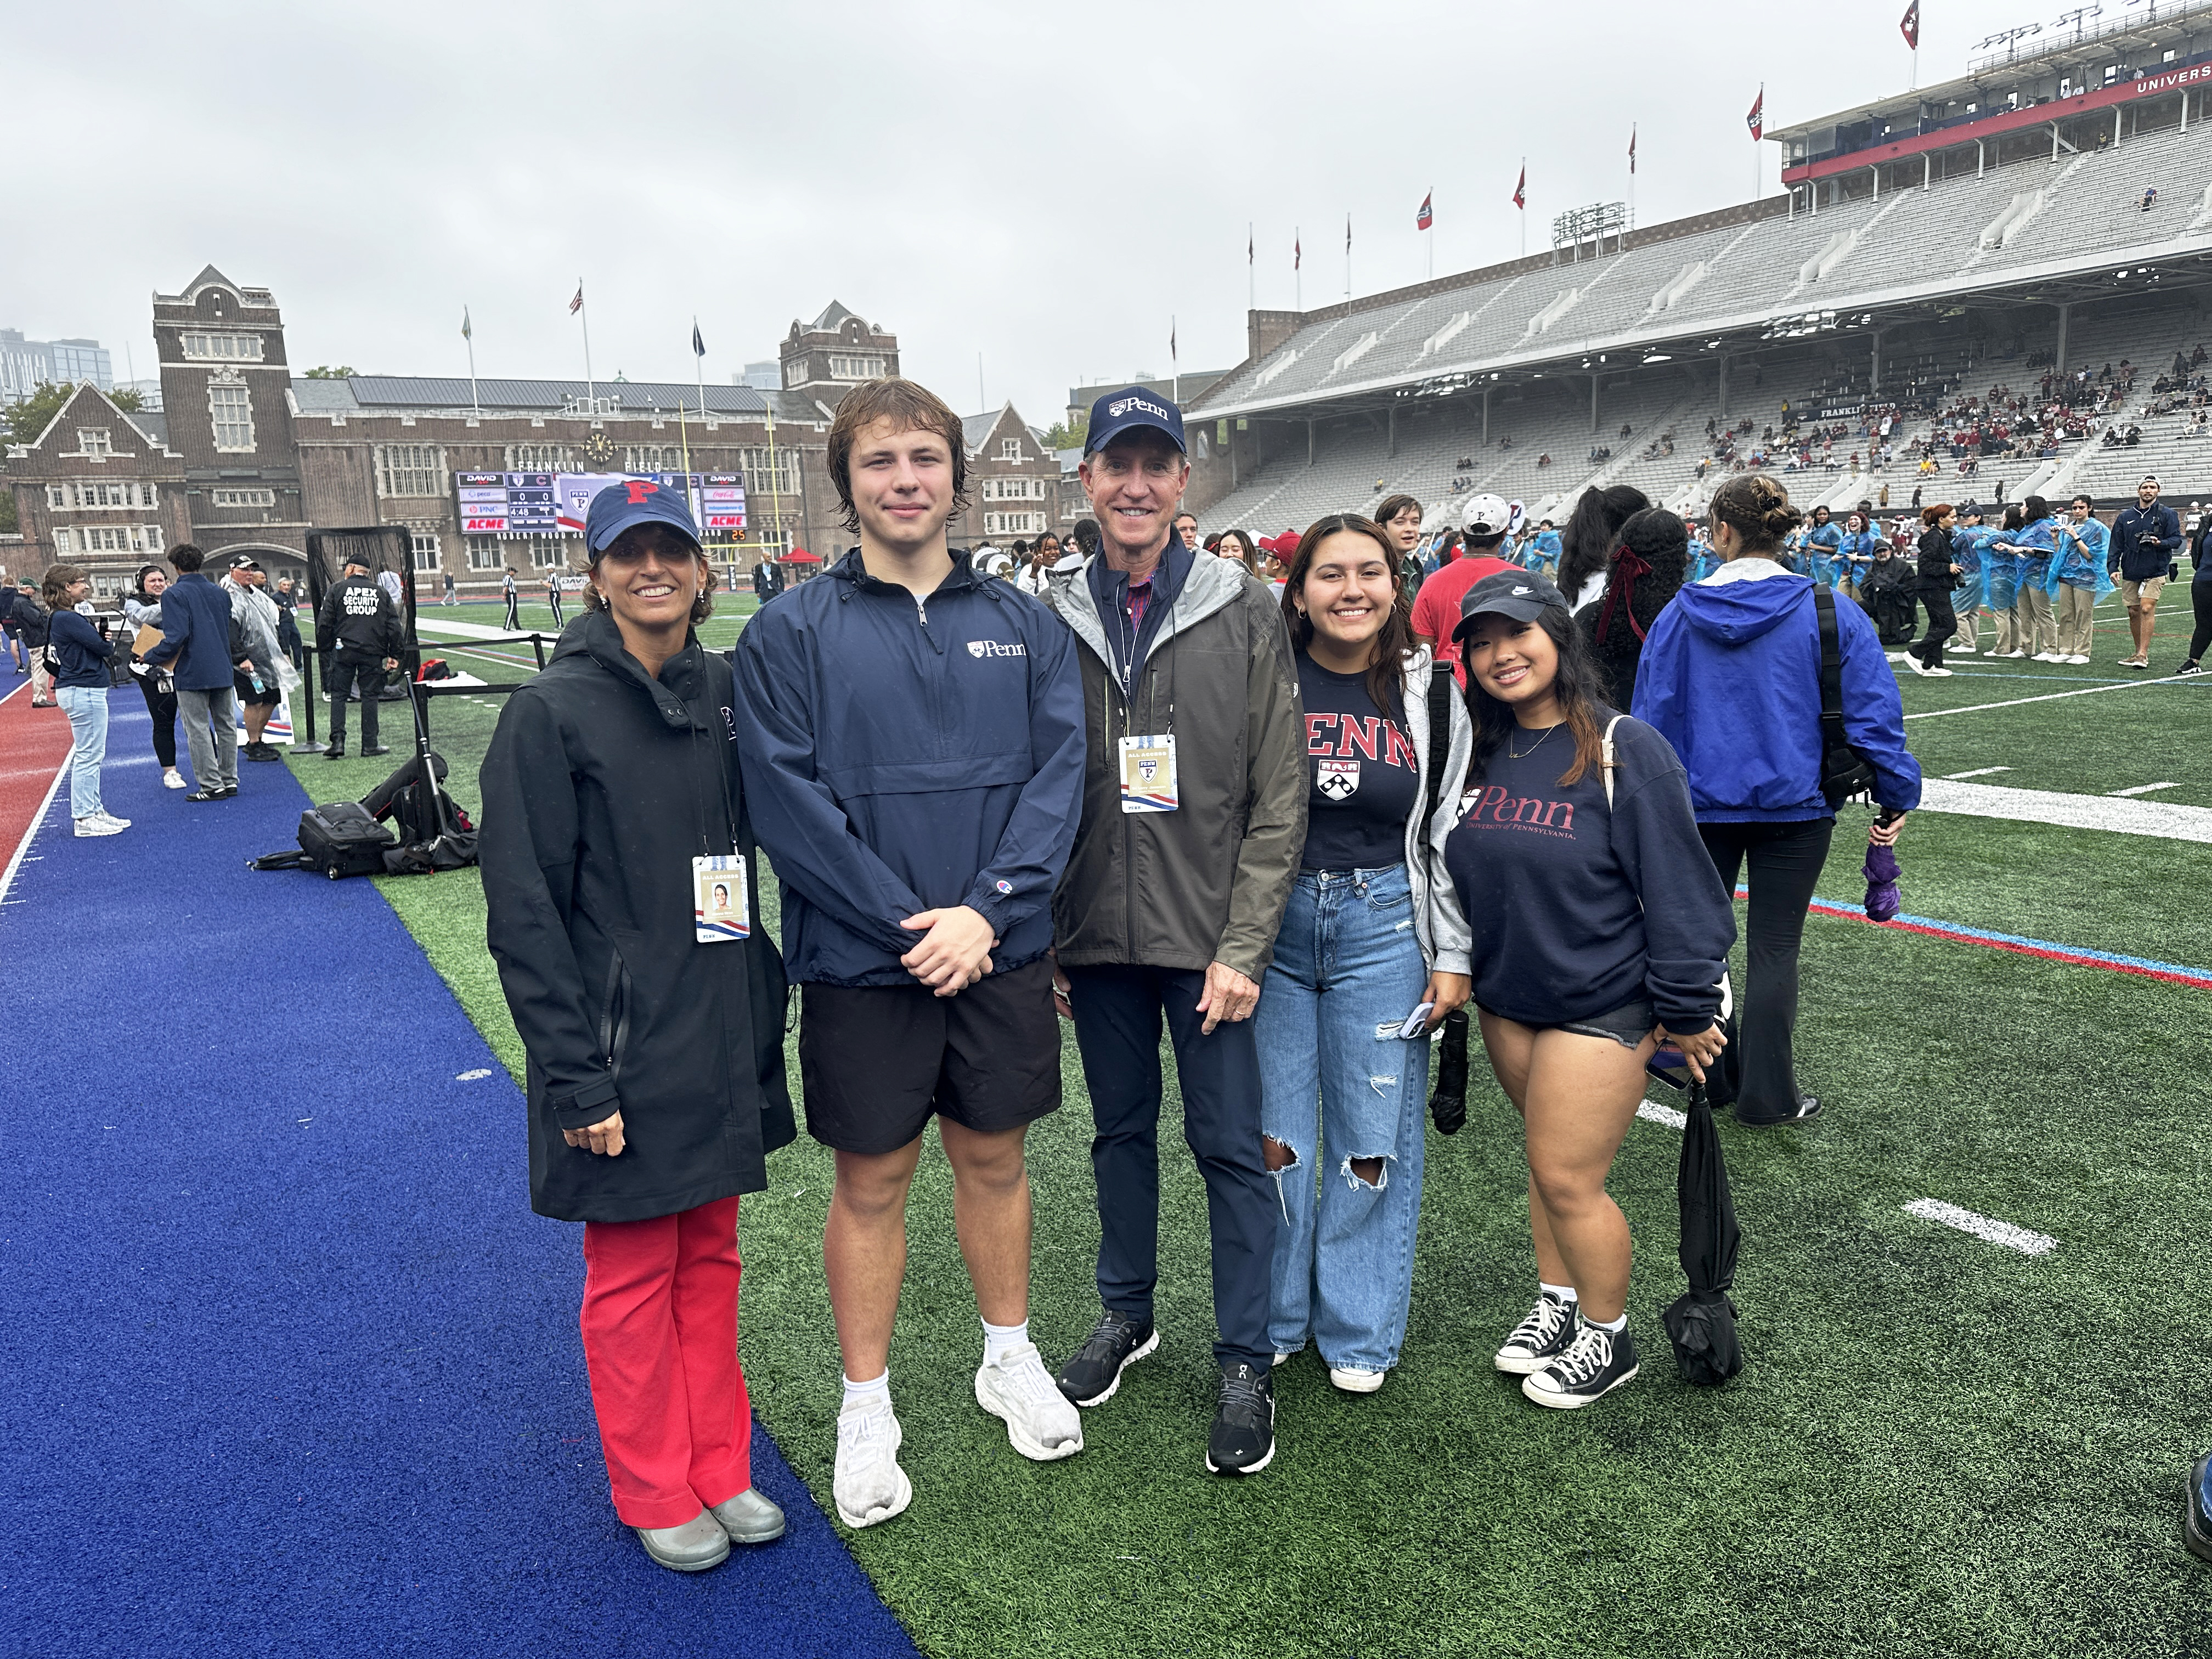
(342, 839)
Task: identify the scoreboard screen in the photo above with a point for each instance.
(513, 504)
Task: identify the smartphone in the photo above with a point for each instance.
(1417, 1022)
(1671, 1067)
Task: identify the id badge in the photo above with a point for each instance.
(720, 907)
(1148, 774)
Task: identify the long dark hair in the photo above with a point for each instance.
(1593, 528)
(1578, 686)
(1394, 643)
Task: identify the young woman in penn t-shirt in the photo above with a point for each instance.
(1370, 935)
(1599, 931)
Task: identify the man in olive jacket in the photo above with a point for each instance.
(1193, 818)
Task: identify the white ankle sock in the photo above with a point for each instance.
(1613, 1326)
(998, 1339)
(1558, 1292)
(878, 1391)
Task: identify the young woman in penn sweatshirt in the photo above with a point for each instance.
(1600, 931)
(1731, 680)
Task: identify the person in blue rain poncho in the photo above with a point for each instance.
(1854, 555)
(2034, 540)
(2078, 579)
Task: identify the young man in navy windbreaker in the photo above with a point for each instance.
(911, 739)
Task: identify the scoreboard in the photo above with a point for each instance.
(514, 504)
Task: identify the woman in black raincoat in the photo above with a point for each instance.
(618, 872)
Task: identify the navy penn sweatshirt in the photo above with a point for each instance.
(1576, 909)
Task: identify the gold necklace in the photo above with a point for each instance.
(1523, 754)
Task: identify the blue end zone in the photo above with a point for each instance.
(288, 1366)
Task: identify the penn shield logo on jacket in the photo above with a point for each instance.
(979, 649)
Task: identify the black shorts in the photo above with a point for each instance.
(264, 698)
(875, 1061)
(1628, 1025)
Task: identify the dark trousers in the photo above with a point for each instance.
(553, 600)
(2200, 596)
(514, 613)
(161, 706)
(1943, 623)
(344, 672)
(1785, 861)
(1118, 1012)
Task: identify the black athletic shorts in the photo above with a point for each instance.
(1628, 1024)
(266, 697)
(875, 1061)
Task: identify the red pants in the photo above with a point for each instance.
(660, 1342)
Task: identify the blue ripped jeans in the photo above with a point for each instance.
(1347, 970)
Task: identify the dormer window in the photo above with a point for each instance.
(1010, 449)
(92, 442)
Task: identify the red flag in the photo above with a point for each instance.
(1632, 147)
(1298, 251)
(577, 304)
(1427, 216)
(1521, 189)
(1757, 119)
(1911, 24)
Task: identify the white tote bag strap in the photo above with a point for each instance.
(1605, 757)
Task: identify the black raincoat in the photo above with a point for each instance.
(600, 787)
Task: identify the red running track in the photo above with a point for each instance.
(34, 747)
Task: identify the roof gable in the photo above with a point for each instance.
(90, 400)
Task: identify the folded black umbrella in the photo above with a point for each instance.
(1448, 1105)
(1702, 1321)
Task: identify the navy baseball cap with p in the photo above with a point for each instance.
(628, 502)
(1521, 594)
(1127, 410)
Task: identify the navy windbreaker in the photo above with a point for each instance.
(902, 756)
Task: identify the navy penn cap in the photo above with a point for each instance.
(628, 502)
(1127, 410)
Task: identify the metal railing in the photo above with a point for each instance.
(2033, 40)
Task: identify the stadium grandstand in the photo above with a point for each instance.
(1988, 288)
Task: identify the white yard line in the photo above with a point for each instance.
(2164, 820)
(1978, 772)
(1982, 1226)
(1654, 1112)
(2047, 697)
(2144, 788)
(31, 831)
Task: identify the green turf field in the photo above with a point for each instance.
(1940, 1445)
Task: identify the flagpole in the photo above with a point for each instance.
(1756, 142)
(1522, 207)
(468, 333)
(1251, 270)
(1347, 257)
(1631, 176)
(699, 363)
(591, 386)
(1297, 272)
(1175, 361)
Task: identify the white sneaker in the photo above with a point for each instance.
(2047, 656)
(869, 1486)
(1347, 1380)
(97, 825)
(2078, 657)
(172, 779)
(1936, 673)
(1901, 656)
(1041, 1423)
(120, 823)
(1920, 668)
(2010, 654)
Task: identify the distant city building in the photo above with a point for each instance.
(26, 365)
(761, 377)
(1183, 390)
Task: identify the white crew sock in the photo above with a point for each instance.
(1000, 1339)
(878, 1392)
(1612, 1327)
(1558, 1292)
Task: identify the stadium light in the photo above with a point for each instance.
(1658, 357)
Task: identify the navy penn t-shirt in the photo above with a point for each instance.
(1365, 780)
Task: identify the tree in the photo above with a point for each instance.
(21, 422)
(1067, 435)
(328, 372)
(127, 399)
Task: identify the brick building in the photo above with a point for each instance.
(1013, 481)
(244, 457)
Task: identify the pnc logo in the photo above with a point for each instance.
(979, 649)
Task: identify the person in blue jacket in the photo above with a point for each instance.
(911, 738)
(80, 682)
(2145, 542)
(1731, 679)
(2077, 573)
(1854, 555)
(1823, 536)
(1970, 538)
(2034, 542)
(195, 650)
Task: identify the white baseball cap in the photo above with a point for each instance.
(1485, 515)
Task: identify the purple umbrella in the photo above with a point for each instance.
(1882, 873)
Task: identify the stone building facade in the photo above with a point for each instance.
(1013, 482)
(101, 487)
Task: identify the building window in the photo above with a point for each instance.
(242, 497)
(411, 470)
(652, 458)
(92, 440)
(94, 492)
(223, 348)
(549, 553)
(1013, 489)
(425, 550)
(760, 479)
(1014, 524)
(62, 541)
(234, 417)
(485, 553)
(107, 586)
(112, 539)
(539, 458)
(855, 368)
(1010, 449)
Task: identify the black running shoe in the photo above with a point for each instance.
(1597, 1360)
(1116, 1343)
(2186, 670)
(1243, 1438)
(2196, 1521)
(1539, 1337)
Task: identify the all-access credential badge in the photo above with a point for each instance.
(1339, 780)
(1148, 774)
(720, 908)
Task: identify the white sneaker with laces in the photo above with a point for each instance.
(869, 1485)
(173, 779)
(97, 825)
(1350, 1380)
(2078, 657)
(120, 823)
(1041, 1423)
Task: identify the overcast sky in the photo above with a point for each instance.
(1044, 186)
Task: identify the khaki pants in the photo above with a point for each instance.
(2008, 626)
(2076, 621)
(1969, 626)
(2039, 628)
(42, 683)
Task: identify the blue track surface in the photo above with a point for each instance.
(289, 1367)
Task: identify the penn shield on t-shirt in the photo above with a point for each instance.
(1364, 776)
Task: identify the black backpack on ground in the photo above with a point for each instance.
(435, 832)
(339, 839)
